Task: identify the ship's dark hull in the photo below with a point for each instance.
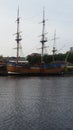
(3, 70)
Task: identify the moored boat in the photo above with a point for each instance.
(18, 67)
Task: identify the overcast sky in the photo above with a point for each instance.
(60, 17)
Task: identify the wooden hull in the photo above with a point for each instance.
(34, 70)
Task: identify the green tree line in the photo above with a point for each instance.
(49, 58)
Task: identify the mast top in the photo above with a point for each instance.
(18, 14)
(44, 39)
(18, 37)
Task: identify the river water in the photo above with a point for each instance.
(36, 103)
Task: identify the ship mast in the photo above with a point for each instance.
(18, 37)
(54, 49)
(54, 45)
(43, 40)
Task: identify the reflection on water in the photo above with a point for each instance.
(36, 103)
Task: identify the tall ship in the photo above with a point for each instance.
(18, 67)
